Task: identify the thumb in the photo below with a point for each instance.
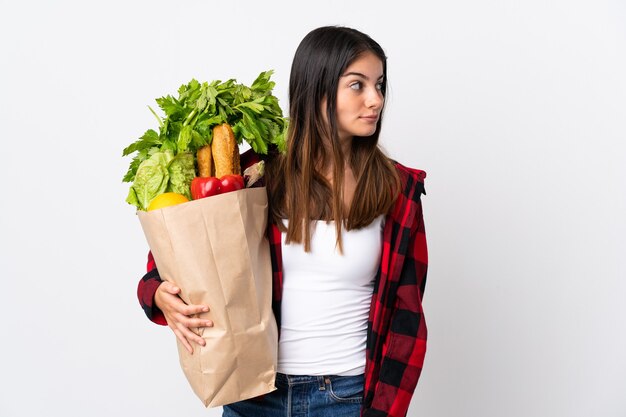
(171, 288)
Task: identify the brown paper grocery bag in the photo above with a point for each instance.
(216, 251)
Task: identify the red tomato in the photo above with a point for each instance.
(231, 183)
(202, 187)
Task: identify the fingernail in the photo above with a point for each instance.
(205, 309)
(208, 324)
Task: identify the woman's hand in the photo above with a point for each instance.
(177, 314)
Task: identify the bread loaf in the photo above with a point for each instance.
(205, 162)
(225, 151)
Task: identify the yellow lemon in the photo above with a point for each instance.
(165, 200)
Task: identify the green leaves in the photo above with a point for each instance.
(149, 139)
(170, 106)
(184, 138)
(151, 180)
(253, 112)
(263, 83)
(256, 107)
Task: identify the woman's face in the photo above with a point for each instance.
(359, 97)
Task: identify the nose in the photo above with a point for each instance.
(374, 99)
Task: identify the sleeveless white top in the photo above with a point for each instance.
(326, 300)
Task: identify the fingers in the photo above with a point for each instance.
(182, 326)
(191, 309)
(186, 336)
(191, 336)
(170, 304)
(197, 323)
(191, 322)
(169, 287)
(167, 299)
(181, 317)
(183, 340)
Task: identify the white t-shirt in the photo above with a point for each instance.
(326, 300)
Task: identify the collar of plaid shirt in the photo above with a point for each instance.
(396, 334)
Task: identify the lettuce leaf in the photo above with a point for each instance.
(152, 179)
(181, 172)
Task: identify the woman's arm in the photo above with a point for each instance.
(406, 341)
(146, 290)
(161, 302)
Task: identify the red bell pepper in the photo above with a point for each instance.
(202, 187)
(231, 183)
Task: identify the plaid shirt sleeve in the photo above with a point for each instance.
(146, 289)
(274, 237)
(399, 338)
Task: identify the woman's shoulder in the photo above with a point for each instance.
(409, 174)
(412, 188)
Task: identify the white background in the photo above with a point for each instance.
(516, 110)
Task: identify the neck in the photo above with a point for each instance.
(346, 148)
(328, 165)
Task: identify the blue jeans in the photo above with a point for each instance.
(305, 396)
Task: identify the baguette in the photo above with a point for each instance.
(225, 151)
(205, 162)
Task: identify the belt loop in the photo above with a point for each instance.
(320, 381)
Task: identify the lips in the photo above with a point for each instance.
(370, 118)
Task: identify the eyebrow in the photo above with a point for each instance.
(358, 74)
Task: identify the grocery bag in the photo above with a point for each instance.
(216, 251)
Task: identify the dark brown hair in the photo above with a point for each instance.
(297, 190)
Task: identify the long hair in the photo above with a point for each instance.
(297, 190)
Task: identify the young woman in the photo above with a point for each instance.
(347, 244)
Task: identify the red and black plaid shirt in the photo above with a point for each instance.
(396, 332)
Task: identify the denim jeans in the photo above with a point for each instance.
(305, 396)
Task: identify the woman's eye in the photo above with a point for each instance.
(379, 86)
(356, 85)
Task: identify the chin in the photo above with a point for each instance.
(366, 133)
(361, 132)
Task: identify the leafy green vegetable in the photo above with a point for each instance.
(253, 112)
(151, 180)
(181, 170)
